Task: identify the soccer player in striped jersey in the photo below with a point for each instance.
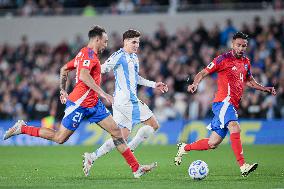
(83, 102)
(128, 110)
(234, 73)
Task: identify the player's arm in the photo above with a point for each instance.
(90, 82)
(251, 82)
(63, 80)
(63, 77)
(109, 65)
(214, 66)
(193, 87)
(158, 85)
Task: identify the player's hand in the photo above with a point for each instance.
(162, 87)
(271, 90)
(192, 88)
(107, 97)
(63, 96)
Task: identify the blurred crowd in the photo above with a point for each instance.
(92, 8)
(29, 73)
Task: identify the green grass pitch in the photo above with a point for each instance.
(61, 167)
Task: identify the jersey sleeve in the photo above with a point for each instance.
(216, 64)
(146, 82)
(71, 64)
(248, 70)
(111, 63)
(212, 67)
(87, 63)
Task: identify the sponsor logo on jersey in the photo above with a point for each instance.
(86, 63)
(234, 68)
(210, 66)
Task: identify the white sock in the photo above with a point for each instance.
(142, 134)
(104, 149)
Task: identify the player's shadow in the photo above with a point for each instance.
(101, 178)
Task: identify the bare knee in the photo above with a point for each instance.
(213, 144)
(153, 123)
(155, 126)
(234, 127)
(214, 141)
(59, 139)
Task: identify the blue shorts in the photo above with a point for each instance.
(224, 112)
(75, 114)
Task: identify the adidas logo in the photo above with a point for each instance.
(234, 68)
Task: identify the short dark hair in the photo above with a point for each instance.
(240, 35)
(96, 31)
(131, 34)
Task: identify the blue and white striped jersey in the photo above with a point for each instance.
(126, 69)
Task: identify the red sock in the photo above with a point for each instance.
(237, 147)
(130, 159)
(32, 131)
(198, 145)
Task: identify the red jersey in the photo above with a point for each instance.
(232, 76)
(82, 95)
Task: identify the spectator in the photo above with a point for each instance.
(227, 32)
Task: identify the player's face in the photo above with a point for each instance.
(102, 42)
(239, 47)
(132, 44)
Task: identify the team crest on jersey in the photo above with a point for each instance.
(210, 66)
(246, 67)
(86, 63)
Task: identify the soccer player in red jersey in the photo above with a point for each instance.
(233, 69)
(83, 102)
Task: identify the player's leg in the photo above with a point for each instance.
(100, 115)
(72, 118)
(107, 146)
(219, 131)
(110, 126)
(124, 123)
(150, 124)
(20, 127)
(204, 144)
(143, 133)
(59, 136)
(236, 144)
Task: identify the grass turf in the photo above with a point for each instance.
(61, 167)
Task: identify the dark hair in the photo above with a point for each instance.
(240, 35)
(131, 34)
(96, 31)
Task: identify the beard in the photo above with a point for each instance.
(238, 54)
(100, 51)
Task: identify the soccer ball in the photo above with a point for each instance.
(198, 170)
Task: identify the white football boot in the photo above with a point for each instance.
(15, 130)
(143, 169)
(246, 169)
(180, 153)
(87, 163)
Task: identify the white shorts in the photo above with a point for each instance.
(130, 114)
